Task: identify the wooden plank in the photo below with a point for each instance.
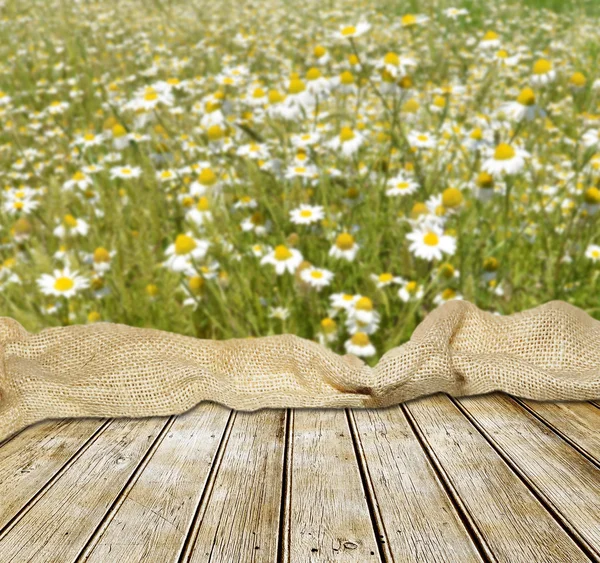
(578, 423)
(57, 526)
(151, 520)
(567, 481)
(512, 523)
(240, 519)
(329, 515)
(421, 522)
(33, 457)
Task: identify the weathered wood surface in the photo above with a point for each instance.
(480, 479)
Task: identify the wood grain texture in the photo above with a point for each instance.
(329, 516)
(33, 457)
(487, 478)
(513, 524)
(56, 527)
(419, 518)
(240, 521)
(579, 423)
(566, 480)
(152, 519)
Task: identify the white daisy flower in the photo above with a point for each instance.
(430, 243)
(71, 226)
(505, 160)
(360, 345)
(420, 140)
(65, 283)
(343, 301)
(183, 252)
(307, 214)
(542, 73)
(351, 31)
(283, 258)
(344, 247)
(125, 172)
(523, 108)
(400, 185)
(78, 180)
(347, 142)
(316, 277)
(593, 252)
(410, 291)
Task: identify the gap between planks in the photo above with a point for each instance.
(46, 486)
(120, 498)
(539, 494)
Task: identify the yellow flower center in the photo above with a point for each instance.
(346, 77)
(411, 286)
(282, 253)
(78, 176)
(431, 239)
(592, 196)
(346, 134)
(214, 133)
(319, 51)
(207, 177)
(439, 101)
(184, 244)
(101, 255)
(386, 278)
(306, 213)
(526, 97)
(150, 95)
(502, 54)
(89, 136)
(542, 66)
(364, 304)
(275, 97)
(448, 293)
(411, 106)
(504, 152)
(328, 325)
(360, 339)
(452, 197)
(63, 284)
(485, 180)
(70, 221)
(313, 73)
(578, 79)
(344, 241)
(196, 283)
(348, 30)
(316, 274)
(391, 59)
(126, 171)
(446, 270)
(423, 138)
(296, 86)
(490, 36)
(419, 208)
(408, 19)
(258, 93)
(203, 204)
(490, 264)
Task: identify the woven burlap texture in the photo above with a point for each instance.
(551, 352)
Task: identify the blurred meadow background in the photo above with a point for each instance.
(333, 169)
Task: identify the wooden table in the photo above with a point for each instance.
(478, 479)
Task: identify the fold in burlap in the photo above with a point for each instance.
(551, 352)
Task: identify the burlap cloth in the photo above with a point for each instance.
(551, 352)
